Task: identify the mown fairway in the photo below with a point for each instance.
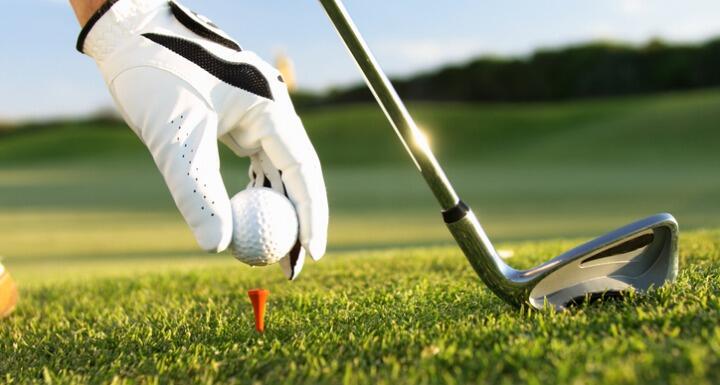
(113, 284)
(402, 316)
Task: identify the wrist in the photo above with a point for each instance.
(85, 9)
(114, 22)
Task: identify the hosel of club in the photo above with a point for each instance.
(462, 223)
(506, 282)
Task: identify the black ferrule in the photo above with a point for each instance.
(456, 213)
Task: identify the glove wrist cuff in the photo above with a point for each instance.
(114, 22)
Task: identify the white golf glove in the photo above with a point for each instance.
(181, 84)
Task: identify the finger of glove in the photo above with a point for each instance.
(293, 263)
(279, 133)
(180, 131)
(290, 150)
(264, 174)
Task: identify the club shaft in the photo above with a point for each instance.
(460, 220)
(412, 138)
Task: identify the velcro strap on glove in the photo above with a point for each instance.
(114, 23)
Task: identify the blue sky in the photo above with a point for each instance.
(41, 75)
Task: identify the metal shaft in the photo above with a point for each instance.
(411, 137)
(460, 220)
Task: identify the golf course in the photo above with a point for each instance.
(115, 290)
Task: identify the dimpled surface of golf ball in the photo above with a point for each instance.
(265, 226)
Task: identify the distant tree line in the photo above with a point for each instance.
(583, 71)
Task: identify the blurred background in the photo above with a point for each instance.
(553, 119)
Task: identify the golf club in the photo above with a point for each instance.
(640, 255)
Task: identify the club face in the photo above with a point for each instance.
(641, 256)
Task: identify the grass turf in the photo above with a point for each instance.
(531, 171)
(113, 286)
(403, 316)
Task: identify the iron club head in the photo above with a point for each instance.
(641, 255)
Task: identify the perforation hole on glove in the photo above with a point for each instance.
(192, 171)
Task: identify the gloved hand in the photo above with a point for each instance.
(181, 84)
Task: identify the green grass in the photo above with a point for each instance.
(401, 316)
(115, 289)
(530, 171)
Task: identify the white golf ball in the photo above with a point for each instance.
(265, 226)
